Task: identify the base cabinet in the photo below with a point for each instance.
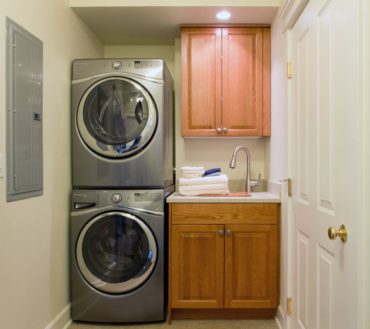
(232, 264)
(197, 266)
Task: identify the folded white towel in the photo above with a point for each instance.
(192, 174)
(204, 189)
(188, 168)
(204, 180)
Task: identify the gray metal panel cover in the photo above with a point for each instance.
(24, 109)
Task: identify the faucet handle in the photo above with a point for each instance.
(257, 182)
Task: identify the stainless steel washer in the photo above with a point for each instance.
(122, 124)
(118, 255)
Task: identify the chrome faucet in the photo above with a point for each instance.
(232, 165)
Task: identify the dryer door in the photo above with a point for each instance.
(116, 117)
(116, 252)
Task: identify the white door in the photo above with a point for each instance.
(325, 144)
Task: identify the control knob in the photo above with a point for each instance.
(117, 65)
(116, 197)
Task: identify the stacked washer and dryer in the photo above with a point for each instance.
(122, 171)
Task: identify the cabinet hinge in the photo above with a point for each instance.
(289, 306)
(289, 70)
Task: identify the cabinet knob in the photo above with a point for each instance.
(228, 232)
(225, 130)
(219, 130)
(221, 232)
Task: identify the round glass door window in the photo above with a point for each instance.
(116, 117)
(116, 252)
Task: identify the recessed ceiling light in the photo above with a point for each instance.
(223, 15)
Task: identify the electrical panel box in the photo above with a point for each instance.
(24, 83)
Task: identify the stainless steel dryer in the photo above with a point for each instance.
(122, 123)
(117, 255)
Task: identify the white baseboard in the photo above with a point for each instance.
(279, 318)
(62, 320)
(278, 323)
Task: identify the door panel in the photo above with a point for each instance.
(251, 258)
(325, 271)
(116, 117)
(302, 280)
(242, 81)
(116, 252)
(325, 159)
(197, 266)
(201, 81)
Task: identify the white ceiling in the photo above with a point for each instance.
(118, 24)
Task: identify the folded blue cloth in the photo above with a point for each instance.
(212, 171)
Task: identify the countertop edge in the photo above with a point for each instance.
(258, 197)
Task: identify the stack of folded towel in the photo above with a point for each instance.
(193, 183)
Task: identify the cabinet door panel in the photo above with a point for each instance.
(201, 81)
(251, 266)
(242, 81)
(197, 266)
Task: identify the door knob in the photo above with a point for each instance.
(219, 130)
(333, 233)
(225, 130)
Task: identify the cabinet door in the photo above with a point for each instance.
(251, 266)
(242, 71)
(201, 81)
(197, 264)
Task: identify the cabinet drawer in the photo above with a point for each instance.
(240, 213)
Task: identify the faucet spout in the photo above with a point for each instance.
(232, 165)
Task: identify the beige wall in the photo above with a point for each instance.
(34, 232)
(208, 152)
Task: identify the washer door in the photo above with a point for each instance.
(116, 252)
(116, 117)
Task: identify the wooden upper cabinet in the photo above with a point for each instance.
(201, 81)
(225, 81)
(242, 81)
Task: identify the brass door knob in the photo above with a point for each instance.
(333, 233)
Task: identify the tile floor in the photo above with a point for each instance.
(188, 324)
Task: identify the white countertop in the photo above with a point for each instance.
(256, 197)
